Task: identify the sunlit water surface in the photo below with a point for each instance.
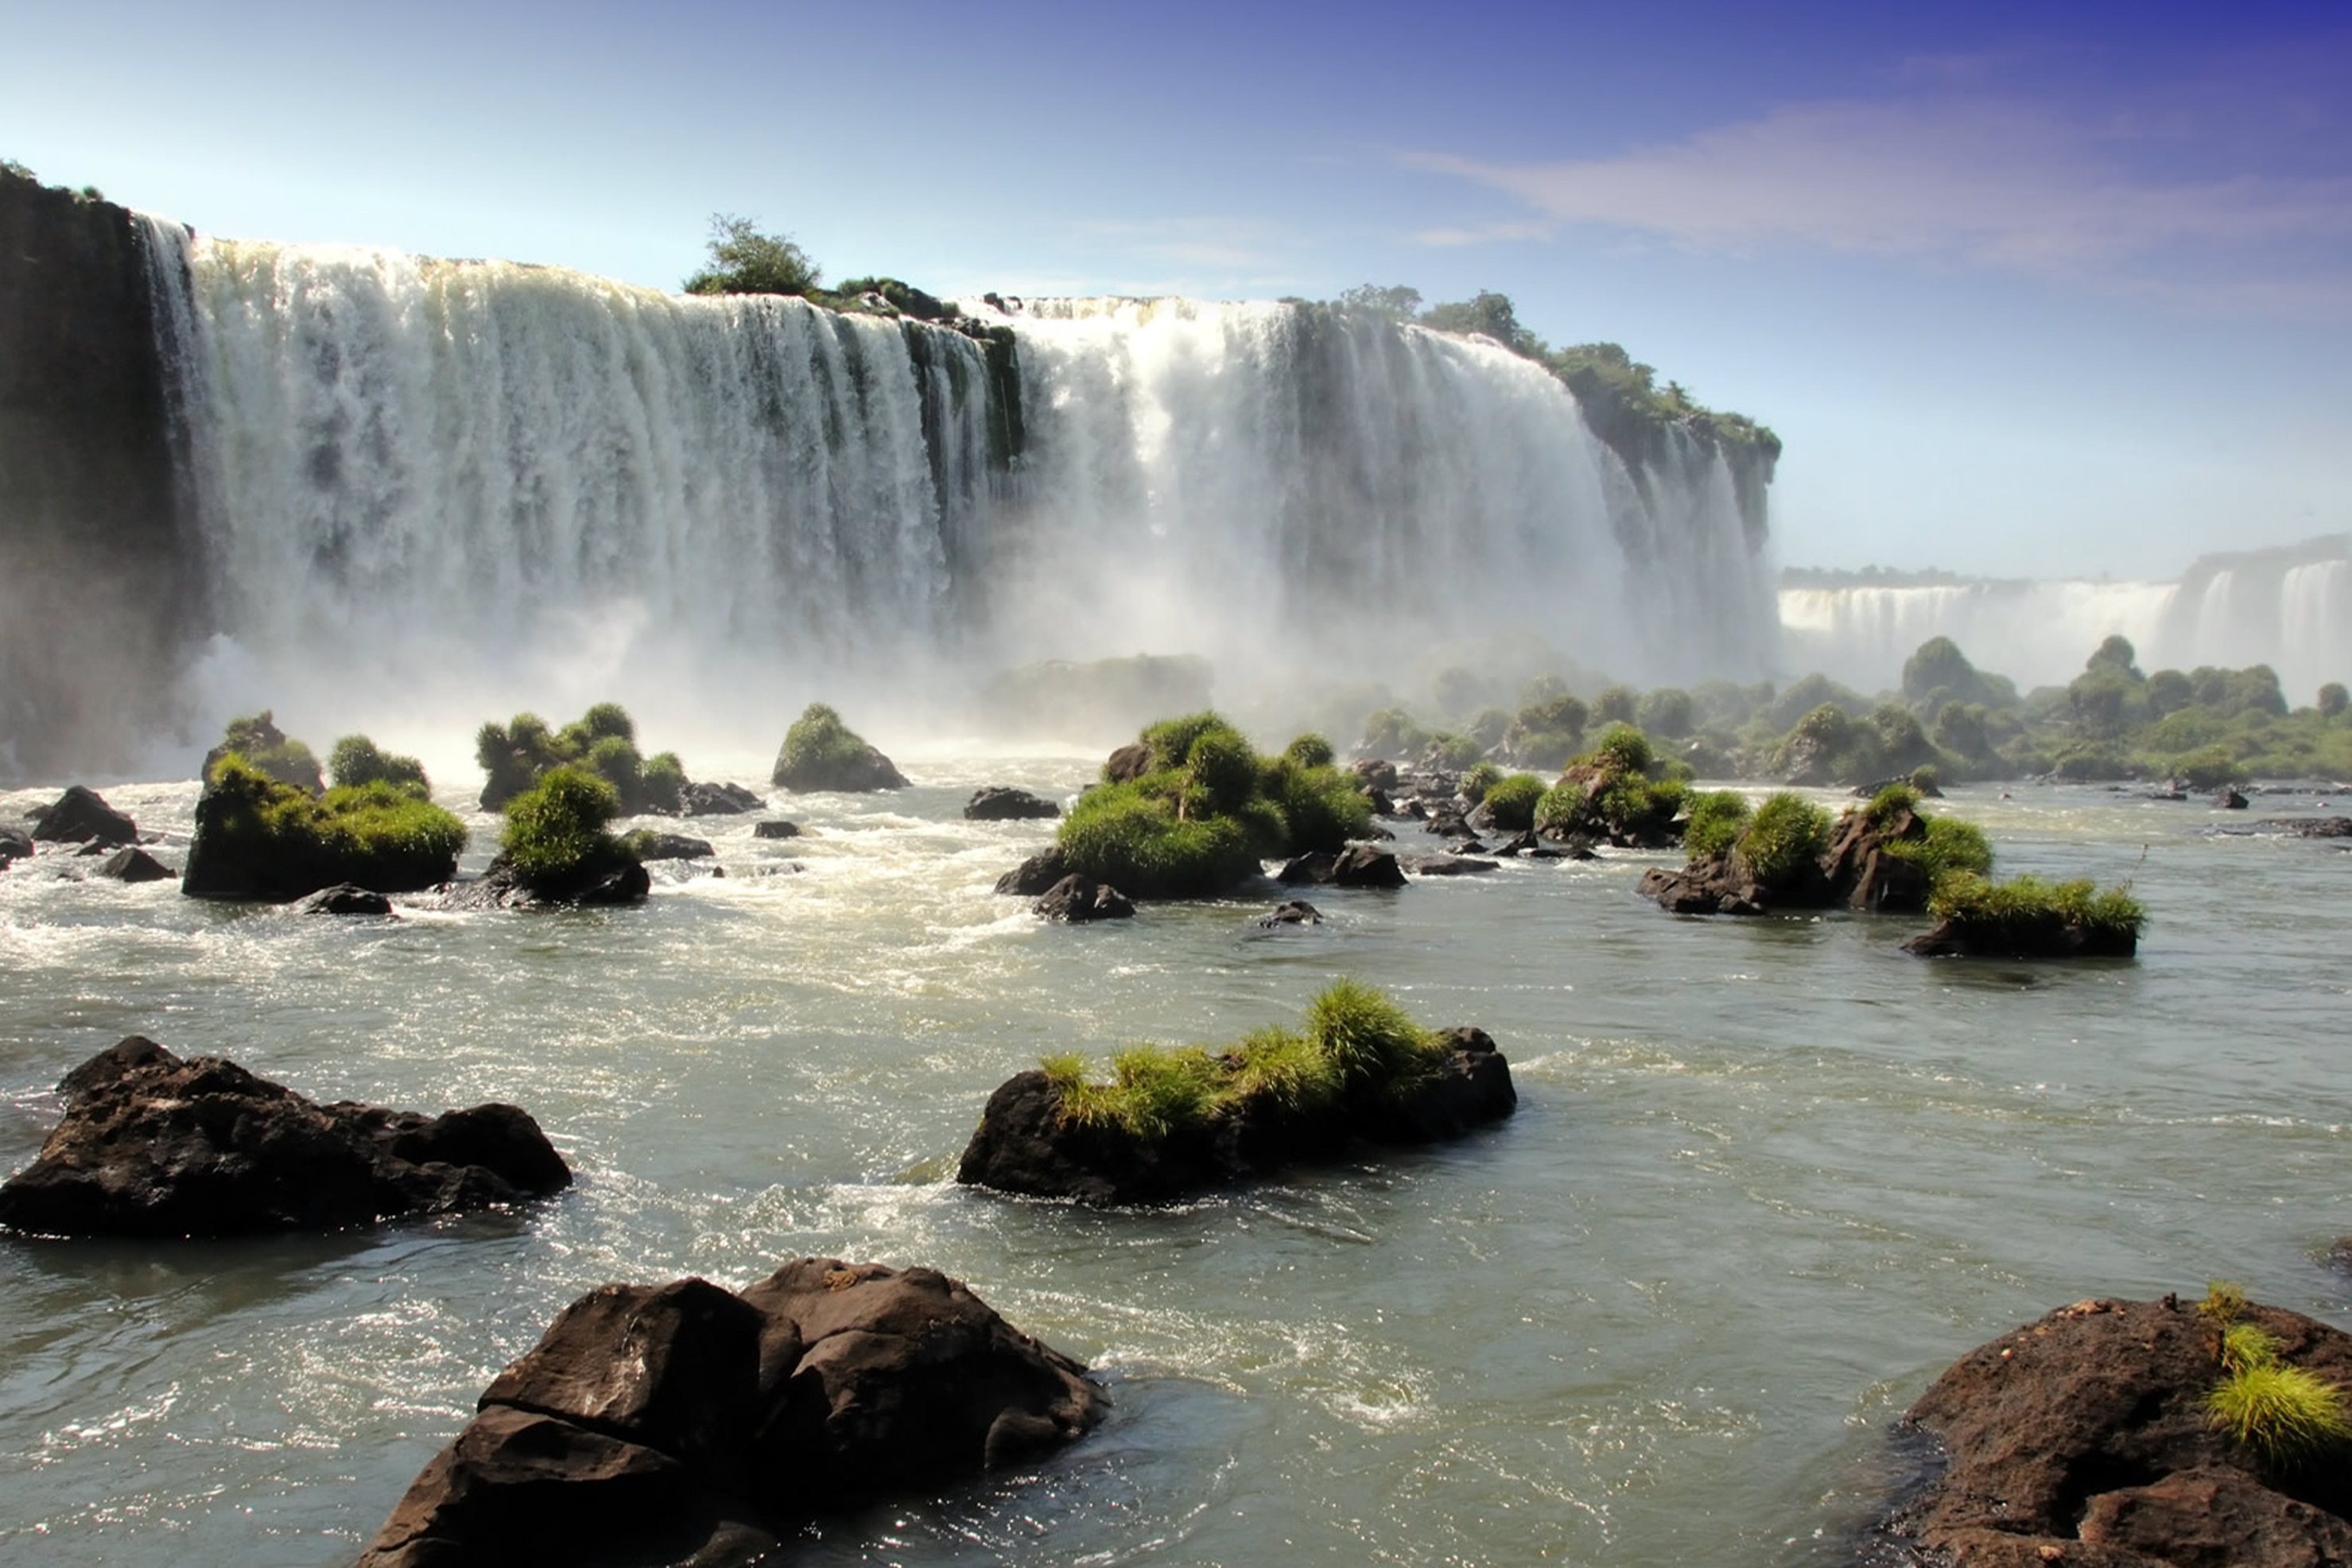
(1766, 1179)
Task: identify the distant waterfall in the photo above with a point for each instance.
(512, 474)
(2289, 609)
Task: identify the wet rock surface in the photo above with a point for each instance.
(998, 803)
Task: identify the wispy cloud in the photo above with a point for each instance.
(1230, 245)
(1965, 179)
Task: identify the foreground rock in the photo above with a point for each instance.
(2083, 1438)
(80, 816)
(154, 1145)
(1038, 874)
(1075, 899)
(682, 1423)
(1000, 802)
(15, 844)
(1026, 1146)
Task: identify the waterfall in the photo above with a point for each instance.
(422, 482)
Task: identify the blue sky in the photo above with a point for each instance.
(2027, 290)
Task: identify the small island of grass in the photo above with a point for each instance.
(603, 741)
(1172, 1120)
(821, 753)
(259, 837)
(2028, 918)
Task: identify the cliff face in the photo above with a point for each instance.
(1651, 444)
(96, 588)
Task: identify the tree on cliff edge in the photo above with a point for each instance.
(745, 261)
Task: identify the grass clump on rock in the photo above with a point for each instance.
(2026, 917)
(1198, 809)
(261, 745)
(356, 760)
(1620, 790)
(556, 841)
(2285, 1413)
(516, 754)
(821, 753)
(1786, 836)
(1511, 801)
(258, 836)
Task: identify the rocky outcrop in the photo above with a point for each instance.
(1026, 1146)
(821, 753)
(500, 887)
(682, 1423)
(2048, 934)
(1858, 871)
(1075, 899)
(132, 864)
(1036, 874)
(999, 803)
(154, 1145)
(2083, 1438)
(1357, 866)
(82, 816)
(15, 844)
(716, 800)
(1706, 887)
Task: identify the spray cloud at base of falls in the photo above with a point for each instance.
(430, 492)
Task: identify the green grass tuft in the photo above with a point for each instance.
(355, 759)
(1481, 778)
(1511, 801)
(2224, 1302)
(1786, 837)
(2023, 906)
(2248, 1344)
(2285, 1413)
(1366, 1034)
(556, 829)
(1717, 821)
(375, 833)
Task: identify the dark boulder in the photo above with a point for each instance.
(1711, 887)
(1024, 1144)
(80, 814)
(2084, 1438)
(152, 1145)
(1866, 873)
(1445, 866)
(1130, 762)
(1296, 912)
(15, 844)
(2227, 798)
(997, 802)
(716, 800)
(776, 830)
(2048, 934)
(1034, 875)
(132, 864)
(595, 884)
(1373, 774)
(343, 898)
(1076, 899)
(681, 1422)
(1357, 866)
(651, 846)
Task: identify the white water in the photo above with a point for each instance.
(2295, 617)
(432, 492)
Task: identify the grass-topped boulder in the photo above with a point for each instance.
(2026, 917)
(821, 753)
(260, 837)
(1621, 791)
(266, 748)
(557, 848)
(356, 761)
(1174, 1121)
(1191, 810)
(1886, 856)
(603, 741)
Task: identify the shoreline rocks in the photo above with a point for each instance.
(2084, 1438)
(155, 1145)
(685, 1423)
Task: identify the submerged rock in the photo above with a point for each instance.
(1077, 898)
(1296, 912)
(776, 830)
(343, 898)
(2084, 1438)
(682, 1423)
(1357, 866)
(647, 845)
(82, 815)
(1026, 1146)
(1000, 802)
(132, 864)
(154, 1145)
(500, 887)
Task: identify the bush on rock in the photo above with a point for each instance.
(821, 753)
(257, 837)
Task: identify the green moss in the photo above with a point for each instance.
(1717, 821)
(355, 759)
(555, 833)
(2287, 1414)
(1478, 779)
(1511, 801)
(818, 739)
(1785, 839)
(1131, 836)
(278, 840)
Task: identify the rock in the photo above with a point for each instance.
(152, 1145)
(343, 898)
(1862, 875)
(1296, 912)
(1075, 899)
(716, 800)
(2046, 938)
(80, 814)
(821, 753)
(2084, 1438)
(670, 846)
(997, 802)
(1445, 866)
(1448, 823)
(1357, 866)
(500, 888)
(15, 844)
(1128, 764)
(1372, 774)
(2227, 798)
(776, 830)
(682, 1423)
(132, 864)
(1025, 1146)
(2301, 827)
(1711, 889)
(1034, 875)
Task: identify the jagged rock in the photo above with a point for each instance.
(80, 814)
(716, 800)
(776, 830)
(998, 803)
(132, 864)
(152, 1145)
(1711, 889)
(1863, 875)
(1296, 912)
(1128, 764)
(1024, 1144)
(1035, 875)
(670, 846)
(2084, 1438)
(499, 887)
(683, 1424)
(1445, 866)
(1074, 900)
(343, 898)
(1357, 866)
(15, 844)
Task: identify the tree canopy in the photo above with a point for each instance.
(745, 261)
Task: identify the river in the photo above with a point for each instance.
(1766, 1179)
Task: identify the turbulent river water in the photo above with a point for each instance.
(1766, 1179)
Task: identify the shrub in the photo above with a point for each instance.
(1622, 748)
(1888, 802)
(661, 783)
(1786, 837)
(745, 261)
(1355, 1040)
(264, 748)
(2026, 910)
(260, 836)
(1490, 726)
(603, 740)
(1948, 846)
(2285, 1413)
(555, 830)
(2208, 767)
(1390, 732)
(1481, 778)
(818, 741)
(1309, 752)
(2224, 1302)
(1511, 801)
(1717, 821)
(1222, 773)
(1447, 751)
(1320, 807)
(355, 761)
(1132, 838)
(1665, 711)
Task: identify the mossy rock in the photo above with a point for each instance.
(259, 837)
(821, 753)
